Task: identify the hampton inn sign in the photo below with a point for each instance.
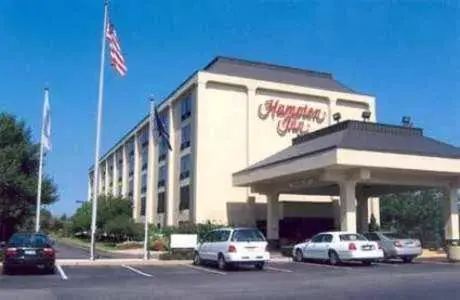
(295, 119)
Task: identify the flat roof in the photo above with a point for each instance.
(230, 66)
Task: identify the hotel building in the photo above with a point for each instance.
(224, 118)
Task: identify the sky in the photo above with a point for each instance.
(405, 53)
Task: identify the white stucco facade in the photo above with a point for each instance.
(227, 123)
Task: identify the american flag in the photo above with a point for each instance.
(116, 57)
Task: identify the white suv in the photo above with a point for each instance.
(233, 246)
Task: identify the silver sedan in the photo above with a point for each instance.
(396, 246)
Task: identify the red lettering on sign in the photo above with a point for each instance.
(292, 118)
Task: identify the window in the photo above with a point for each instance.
(162, 173)
(185, 137)
(161, 203)
(186, 108)
(185, 166)
(327, 238)
(352, 237)
(130, 188)
(372, 236)
(317, 238)
(247, 235)
(145, 157)
(28, 240)
(144, 183)
(184, 202)
(143, 204)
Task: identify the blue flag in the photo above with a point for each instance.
(160, 132)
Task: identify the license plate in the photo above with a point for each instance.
(30, 252)
(250, 248)
(367, 247)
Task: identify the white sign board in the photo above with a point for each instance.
(183, 241)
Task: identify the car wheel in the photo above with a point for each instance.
(298, 255)
(333, 258)
(407, 259)
(196, 259)
(367, 262)
(221, 263)
(6, 271)
(51, 270)
(260, 265)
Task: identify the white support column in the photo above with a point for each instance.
(137, 179)
(451, 225)
(273, 218)
(115, 174)
(374, 209)
(106, 176)
(90, 184)
(173, 157)
(101, 183)
(125, 173)
(362, 213)
(348, 206)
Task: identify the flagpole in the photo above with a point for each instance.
(147, 206)
(40, 167)
(98, 135)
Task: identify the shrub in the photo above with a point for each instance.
(287, 251)
(159, 245)
(129, 245)
(177, 254)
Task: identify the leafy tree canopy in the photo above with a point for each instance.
(19, 162)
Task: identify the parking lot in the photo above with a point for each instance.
(286, 280)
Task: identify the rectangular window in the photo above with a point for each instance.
(143, 205)
(162, 173)
(144, 183)
(186, 108)
(185, 137)
(130, 188)
(161, 208)
(185, 166)
(184, 197)
(145, 157)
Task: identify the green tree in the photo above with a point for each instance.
(114, 218)
(19, 162)
(416, 214)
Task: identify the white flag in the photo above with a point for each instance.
(46, 128)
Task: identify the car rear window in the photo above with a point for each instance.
(28, 240)
(394, 235)
(248, 235)
(352, 237)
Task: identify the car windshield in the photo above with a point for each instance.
(28, 240)
(393, 235)
(352, 237)
(248, 235)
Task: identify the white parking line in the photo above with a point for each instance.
(278, 270)
(325, 266)
(137, 271)
(61, 272)
(206, 270)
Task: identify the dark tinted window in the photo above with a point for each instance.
(28, 240)
(327, 238)
(372, 236)
(247, 235)
(317, 238)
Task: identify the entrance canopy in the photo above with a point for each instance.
(379, 158)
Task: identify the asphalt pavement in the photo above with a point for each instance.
(277, 281)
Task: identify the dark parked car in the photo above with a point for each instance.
(29, 250)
